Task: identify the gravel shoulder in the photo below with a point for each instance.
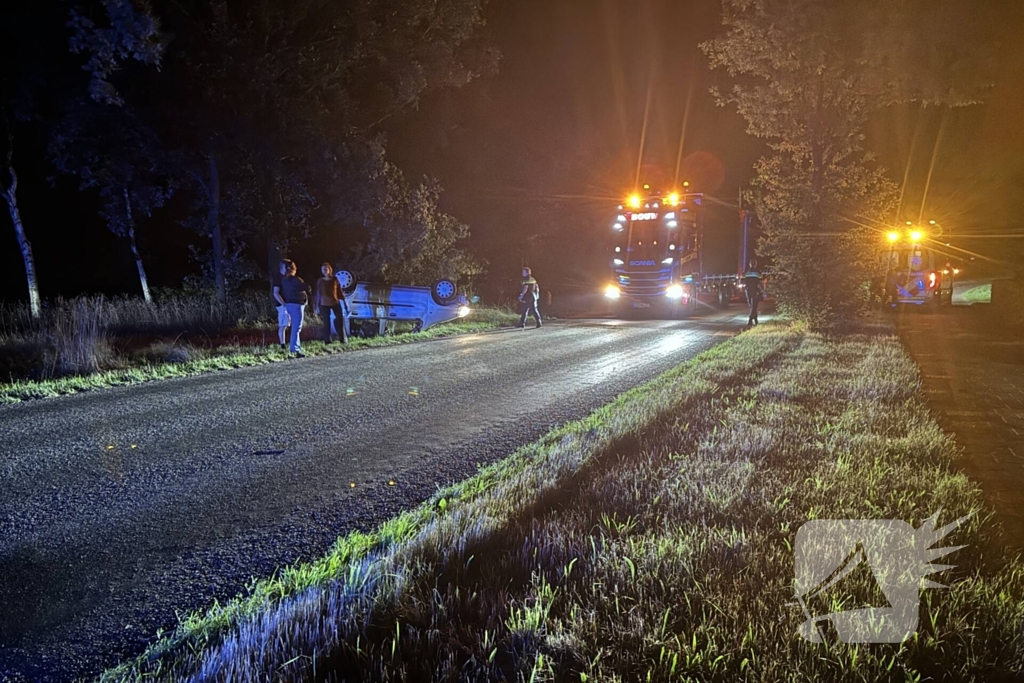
(124, 507)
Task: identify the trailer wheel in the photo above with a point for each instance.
(346, 280)
(444, 292)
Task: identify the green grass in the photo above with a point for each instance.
(196, 361)
(980, 294)
(650, 541)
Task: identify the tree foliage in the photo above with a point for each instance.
(806, 75)
(287, 98)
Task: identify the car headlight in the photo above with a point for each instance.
(464, 311)
(674, 292)
(612, 292)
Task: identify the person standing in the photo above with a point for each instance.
(529, 296)
(295, 293)
(330, 299)
(892, 288)
(283, 321)
(755, 291)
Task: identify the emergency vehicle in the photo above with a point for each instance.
(920, 279)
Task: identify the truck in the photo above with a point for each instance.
(657, 260)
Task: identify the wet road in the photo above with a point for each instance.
(122, 506)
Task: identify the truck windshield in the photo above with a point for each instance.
(643, 236)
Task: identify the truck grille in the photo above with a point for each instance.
(643, 283)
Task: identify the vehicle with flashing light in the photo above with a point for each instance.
(372, 306)
(920, 277)
(656, 256)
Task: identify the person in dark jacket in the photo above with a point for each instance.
(892, 288)
(295, 293)
(529, 296)
(330, 299)
(755, 291)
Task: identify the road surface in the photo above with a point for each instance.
(120, 507)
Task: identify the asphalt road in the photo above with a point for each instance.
(120, 507)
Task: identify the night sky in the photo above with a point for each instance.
(536, 157)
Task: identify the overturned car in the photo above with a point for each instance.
(372, 306)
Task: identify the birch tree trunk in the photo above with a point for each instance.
(10, 195)
(143, 280)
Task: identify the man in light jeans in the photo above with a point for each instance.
(295, 293)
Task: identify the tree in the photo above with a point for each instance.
(9, 191)
(34, 79)
(807, 74)
(279, 97)
(111, 150)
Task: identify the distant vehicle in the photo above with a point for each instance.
(920, 279)
(424, 307)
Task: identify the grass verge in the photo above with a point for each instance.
(652, 541)
(230, 356)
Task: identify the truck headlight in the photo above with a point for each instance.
(612, 292)
(464, 311)
(674, 292)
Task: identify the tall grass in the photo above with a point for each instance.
(79, 334)
(86, 335)
(75, 348)
(170, 313)
(649, 542)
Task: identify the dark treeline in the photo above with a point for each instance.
(261, 121)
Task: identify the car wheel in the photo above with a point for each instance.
(346, 280)
(444, 291)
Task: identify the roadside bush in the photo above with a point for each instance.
(1008, 302)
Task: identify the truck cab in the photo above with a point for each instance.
(655, 260)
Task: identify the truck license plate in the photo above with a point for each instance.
(640, 304)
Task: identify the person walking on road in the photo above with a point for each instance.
(295, 293)
(892, 289)
(330, 299)
(283, 321)
(529, 296)
(755, 291)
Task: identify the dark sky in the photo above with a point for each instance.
(536, 157)
(553, 140)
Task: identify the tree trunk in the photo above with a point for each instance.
(10, 195)
(214, 220)
(143, 280)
